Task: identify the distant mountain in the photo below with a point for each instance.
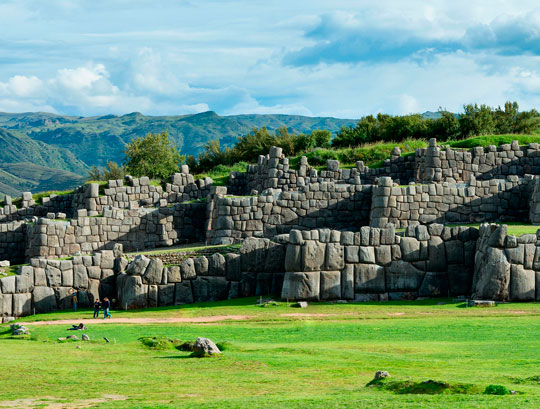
(72, 144)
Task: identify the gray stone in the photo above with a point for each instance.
(44, 299)
(335, 257)
(313, 255)
(233, 272)
(369, 278)
(293, 258)
(204, 346)
(454, 251)
(173, 274)
(522, 283)
(188, 269)
(436, 254)
(154, 272)
(347, 282)
(301, 286)
(459, 279)
(402, 276)
(210, 289)
(24, 283)
(183, 293)
(366, 255)
(410, 249)
(330, 285)
(107, 259)
(6, 305)
(435, 284)
(138, 265)
(22, 304)
(7, 285)
(166, 294)
(201, 266)
(217, 265)
(54, 276)
(492, 276)
(132, 293)
(80, 277)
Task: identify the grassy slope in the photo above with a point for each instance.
(275, 361)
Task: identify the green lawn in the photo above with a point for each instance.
(320, 360)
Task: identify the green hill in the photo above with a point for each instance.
(43, 151)
(94, 140)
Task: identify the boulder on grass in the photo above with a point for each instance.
(205, 347)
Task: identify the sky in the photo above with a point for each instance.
(339, 58)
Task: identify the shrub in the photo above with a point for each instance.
(496, 390)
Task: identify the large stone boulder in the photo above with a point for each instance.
(154, 272)
(313, 252)
(522, 283)
(402, 276)
(138, 265)
(210, 288)
(44, 299)
(330, 285)
(183, 293)
(369, 278)
(132, 293)
(204, 346)
(435, 284)
(335, 257)
(492, 276)
(301, 286)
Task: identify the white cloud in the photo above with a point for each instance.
(21, 86)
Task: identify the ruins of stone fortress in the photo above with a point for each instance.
(355, 234)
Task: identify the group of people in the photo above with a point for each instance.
(104, 305)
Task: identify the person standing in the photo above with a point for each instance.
(97, 306)
(74, 300)
(106, 305)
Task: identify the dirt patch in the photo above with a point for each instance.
(54, 403)
(216, 318)
(395, 314)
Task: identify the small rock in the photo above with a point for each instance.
(301, 304)
(381, 374)
(204, 346)
(61, 339)
(78, 347)
(482, 303)
(73, 337)
(85, 337)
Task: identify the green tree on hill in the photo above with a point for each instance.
(152, 155)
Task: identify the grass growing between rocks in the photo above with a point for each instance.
(321, 356)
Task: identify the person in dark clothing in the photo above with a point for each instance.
(74, 299)
(97, 306)
(106, 305)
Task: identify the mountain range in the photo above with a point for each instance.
(43, 151)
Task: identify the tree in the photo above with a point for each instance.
(322, 138)
(152, 155)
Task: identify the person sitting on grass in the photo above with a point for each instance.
(97, 306)
(106, 305)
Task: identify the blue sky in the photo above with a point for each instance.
(309, 57)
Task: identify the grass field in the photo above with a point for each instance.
(319, 357)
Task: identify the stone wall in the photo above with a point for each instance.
(274, 212)
(436, 164)
(507, 268)
(13, 241)
(139, 192)
(478, 201)
(273, 171)
(135, 229)
(47, 285)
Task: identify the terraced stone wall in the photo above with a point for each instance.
(135, 229)
(324, 204)
(439, 164)
(478, 201)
